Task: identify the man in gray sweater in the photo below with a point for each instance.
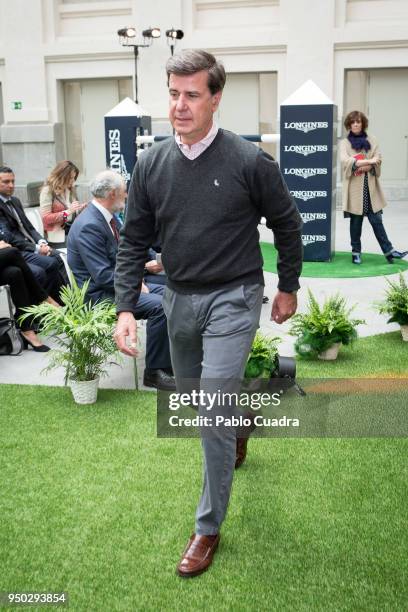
(206, 191)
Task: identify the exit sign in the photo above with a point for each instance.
(17, 105)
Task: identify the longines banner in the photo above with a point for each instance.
(308, 164)
(122, 124)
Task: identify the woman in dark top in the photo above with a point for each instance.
(25, 291)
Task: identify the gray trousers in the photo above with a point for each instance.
(210, 338)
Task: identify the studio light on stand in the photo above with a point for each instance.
(125, 37)
(172, 37)
(125, 33)
(151, 33)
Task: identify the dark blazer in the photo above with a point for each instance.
(92, 252)
(10, 229)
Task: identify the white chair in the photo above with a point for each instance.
(6, 305)
(34, 215)
(63, 255)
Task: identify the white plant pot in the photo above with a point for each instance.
(404, 332)
(331, 353)
(84, 391)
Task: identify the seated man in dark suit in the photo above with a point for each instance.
(92, 247)
(154, 271)
(17, 230)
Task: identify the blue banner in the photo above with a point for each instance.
(120, 142)
(308, 164)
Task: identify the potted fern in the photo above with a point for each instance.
(322, 330)
(396, 304)
(262, 360)
(83, 333)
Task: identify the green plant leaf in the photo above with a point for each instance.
(83, 332)
(320, 327)
(262, 359)
(396, 301)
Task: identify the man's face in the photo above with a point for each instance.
(7, 180)
(119, 198)
(192, 105)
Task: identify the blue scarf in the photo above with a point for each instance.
(359, 141)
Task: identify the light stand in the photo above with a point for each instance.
(148, 35)
(172, 37)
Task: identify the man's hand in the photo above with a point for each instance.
(283, 307)
(153, 267)
(126, 329)
(4, 245)
(44, 249)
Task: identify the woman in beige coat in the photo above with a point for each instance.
(362, 193)
(58, 203)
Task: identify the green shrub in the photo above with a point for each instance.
(321, 327)
(82, 330)
(396, 301)
(263, 357)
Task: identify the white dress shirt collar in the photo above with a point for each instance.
(193, 151)
(107, 215)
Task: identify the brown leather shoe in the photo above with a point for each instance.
(242, 440)
(198, 555)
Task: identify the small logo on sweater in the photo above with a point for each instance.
(216, 183)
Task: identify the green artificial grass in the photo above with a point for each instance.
(383, 355)
(340, 266)
(93, 503)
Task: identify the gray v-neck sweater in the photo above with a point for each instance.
(207, 211)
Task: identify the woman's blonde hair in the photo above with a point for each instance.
(60, 177)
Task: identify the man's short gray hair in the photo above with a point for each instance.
(105, 182)
(191, 61)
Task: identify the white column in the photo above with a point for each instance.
(24, 62)
(31, 145)
(310, 34)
